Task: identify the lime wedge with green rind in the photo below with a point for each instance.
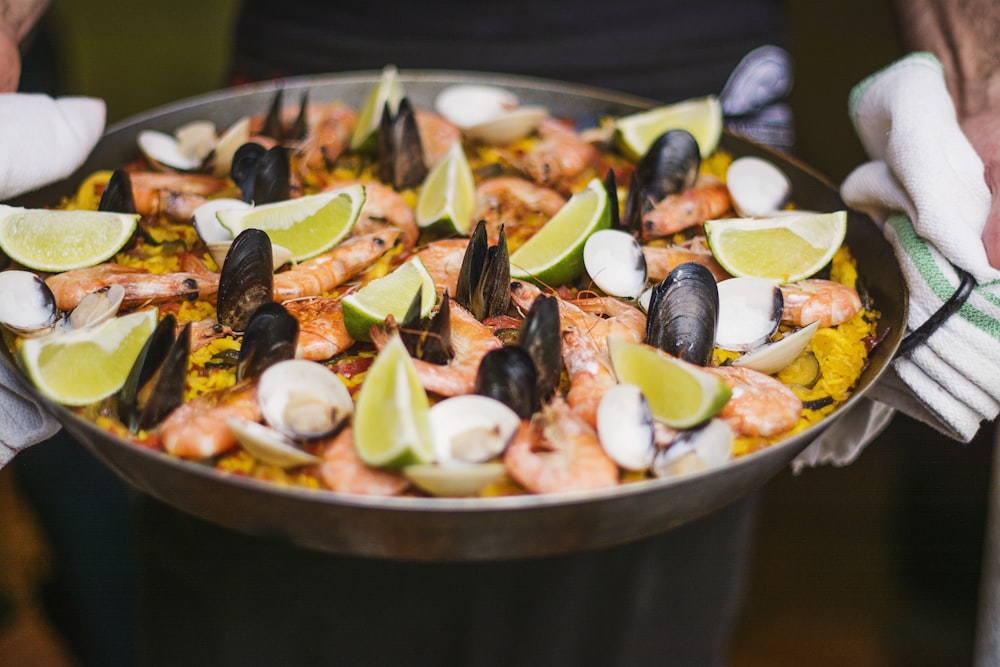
(679, 394)
(389, 90)
(58, 240)
(86, 365)
(701, 116)
(554, 255)
(391, 294)
(447, 196)
(391, 417)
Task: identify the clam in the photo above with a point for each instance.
(488, 113)
(207, 224)
(749, 312)
(268, 445)
(670, 165)
(455, 480)
(625, 427)
(471, 428)
(97, 307)
(775, 356)
(683, 314)
(184, 150)
(303, 399)
(27, 306)
(229, 141)
(694, 450)
(757, 187)
(614, 261)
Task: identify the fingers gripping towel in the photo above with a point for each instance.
(44, 139)
(925, 186)
(23, 421)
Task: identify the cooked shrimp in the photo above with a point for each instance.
(198, 429)
(204, 332)
(437, 134)
(383, 208)
(560, 158)
(343, 470)
(322, 333)
(321, 274)
(517, 205)
(329, 135)
(760, 405)
(174, 195)
(706, 200)
(141, 286)
(661, 260)
(830, 303)
(558, 451)
(443, 260)
(470, 341)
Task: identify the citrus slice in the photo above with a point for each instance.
(306, 226)
(783, 248)
(83, 366)
(389, 295)
(388, 90)
(448, 194)
(701, 116)
(56, 240)
(554, 255)
(679, 394)
(391, 417)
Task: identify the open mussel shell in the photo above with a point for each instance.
(27, 305)
(400, 151)
(270, 337)
(263, 175)
(269, 446)
(670, 165)
(303, 399)
(703, 448)
(509, 375)
(541, 337)
(774, 357)
(757, 187)
(483, 285)
(625, 427)
(247, 279)
(471, 428)
(488, 113)
(749, 312)
(614, 261)
(155, 385)
(428, 339)
(683, 314)
(117, 196)
(96, 308)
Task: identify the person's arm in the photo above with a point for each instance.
(963, 34)
(17, 18)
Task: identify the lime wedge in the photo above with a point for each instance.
(56, 240)
(306, 226)
(392, 426)
(389, 295)
(679, 394)
(554, 255)
(388, 89)
(784, 248)
(448, 194)
(701, 116)
(83, 366)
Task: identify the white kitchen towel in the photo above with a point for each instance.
(44, 139)
(925, 186)
(23, 421)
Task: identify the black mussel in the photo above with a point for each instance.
(117, 196)
(683, 314)
(400, 151)
(155, 385)
(508, 374)
(270, 337)
(631, 220)
(247, 279)
(244, 167)
(300, 127)
(611, 187)
(274, 126)
(541, 338)
(670, 165)
(428, 339)
(484, 278)
(273, 179)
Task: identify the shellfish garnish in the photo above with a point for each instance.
(303, 399)
(488, 113)
(773, 357)
(454, 481)
(96, 308)
(749, 312)
(268, 445)
(185, 150)
(625, 427)
(614, 261)
(27, 305)
(757, 187)
(697, 449)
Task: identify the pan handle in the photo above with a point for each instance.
(947, 309)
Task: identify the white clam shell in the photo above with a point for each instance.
(488, 113)
(749, 313)
(27, 306)
(698, 449)
(471, 428)
(206, 222)
(303, 399)
(625, 427)
(614, 261)
(773, 357)
(454, 479)
(757, 187)
(268, 445)
(229, 141)
(508, 127)
(196, 139)
(97, 307)
(163, 150)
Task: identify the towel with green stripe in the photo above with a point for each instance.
(924, 185)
